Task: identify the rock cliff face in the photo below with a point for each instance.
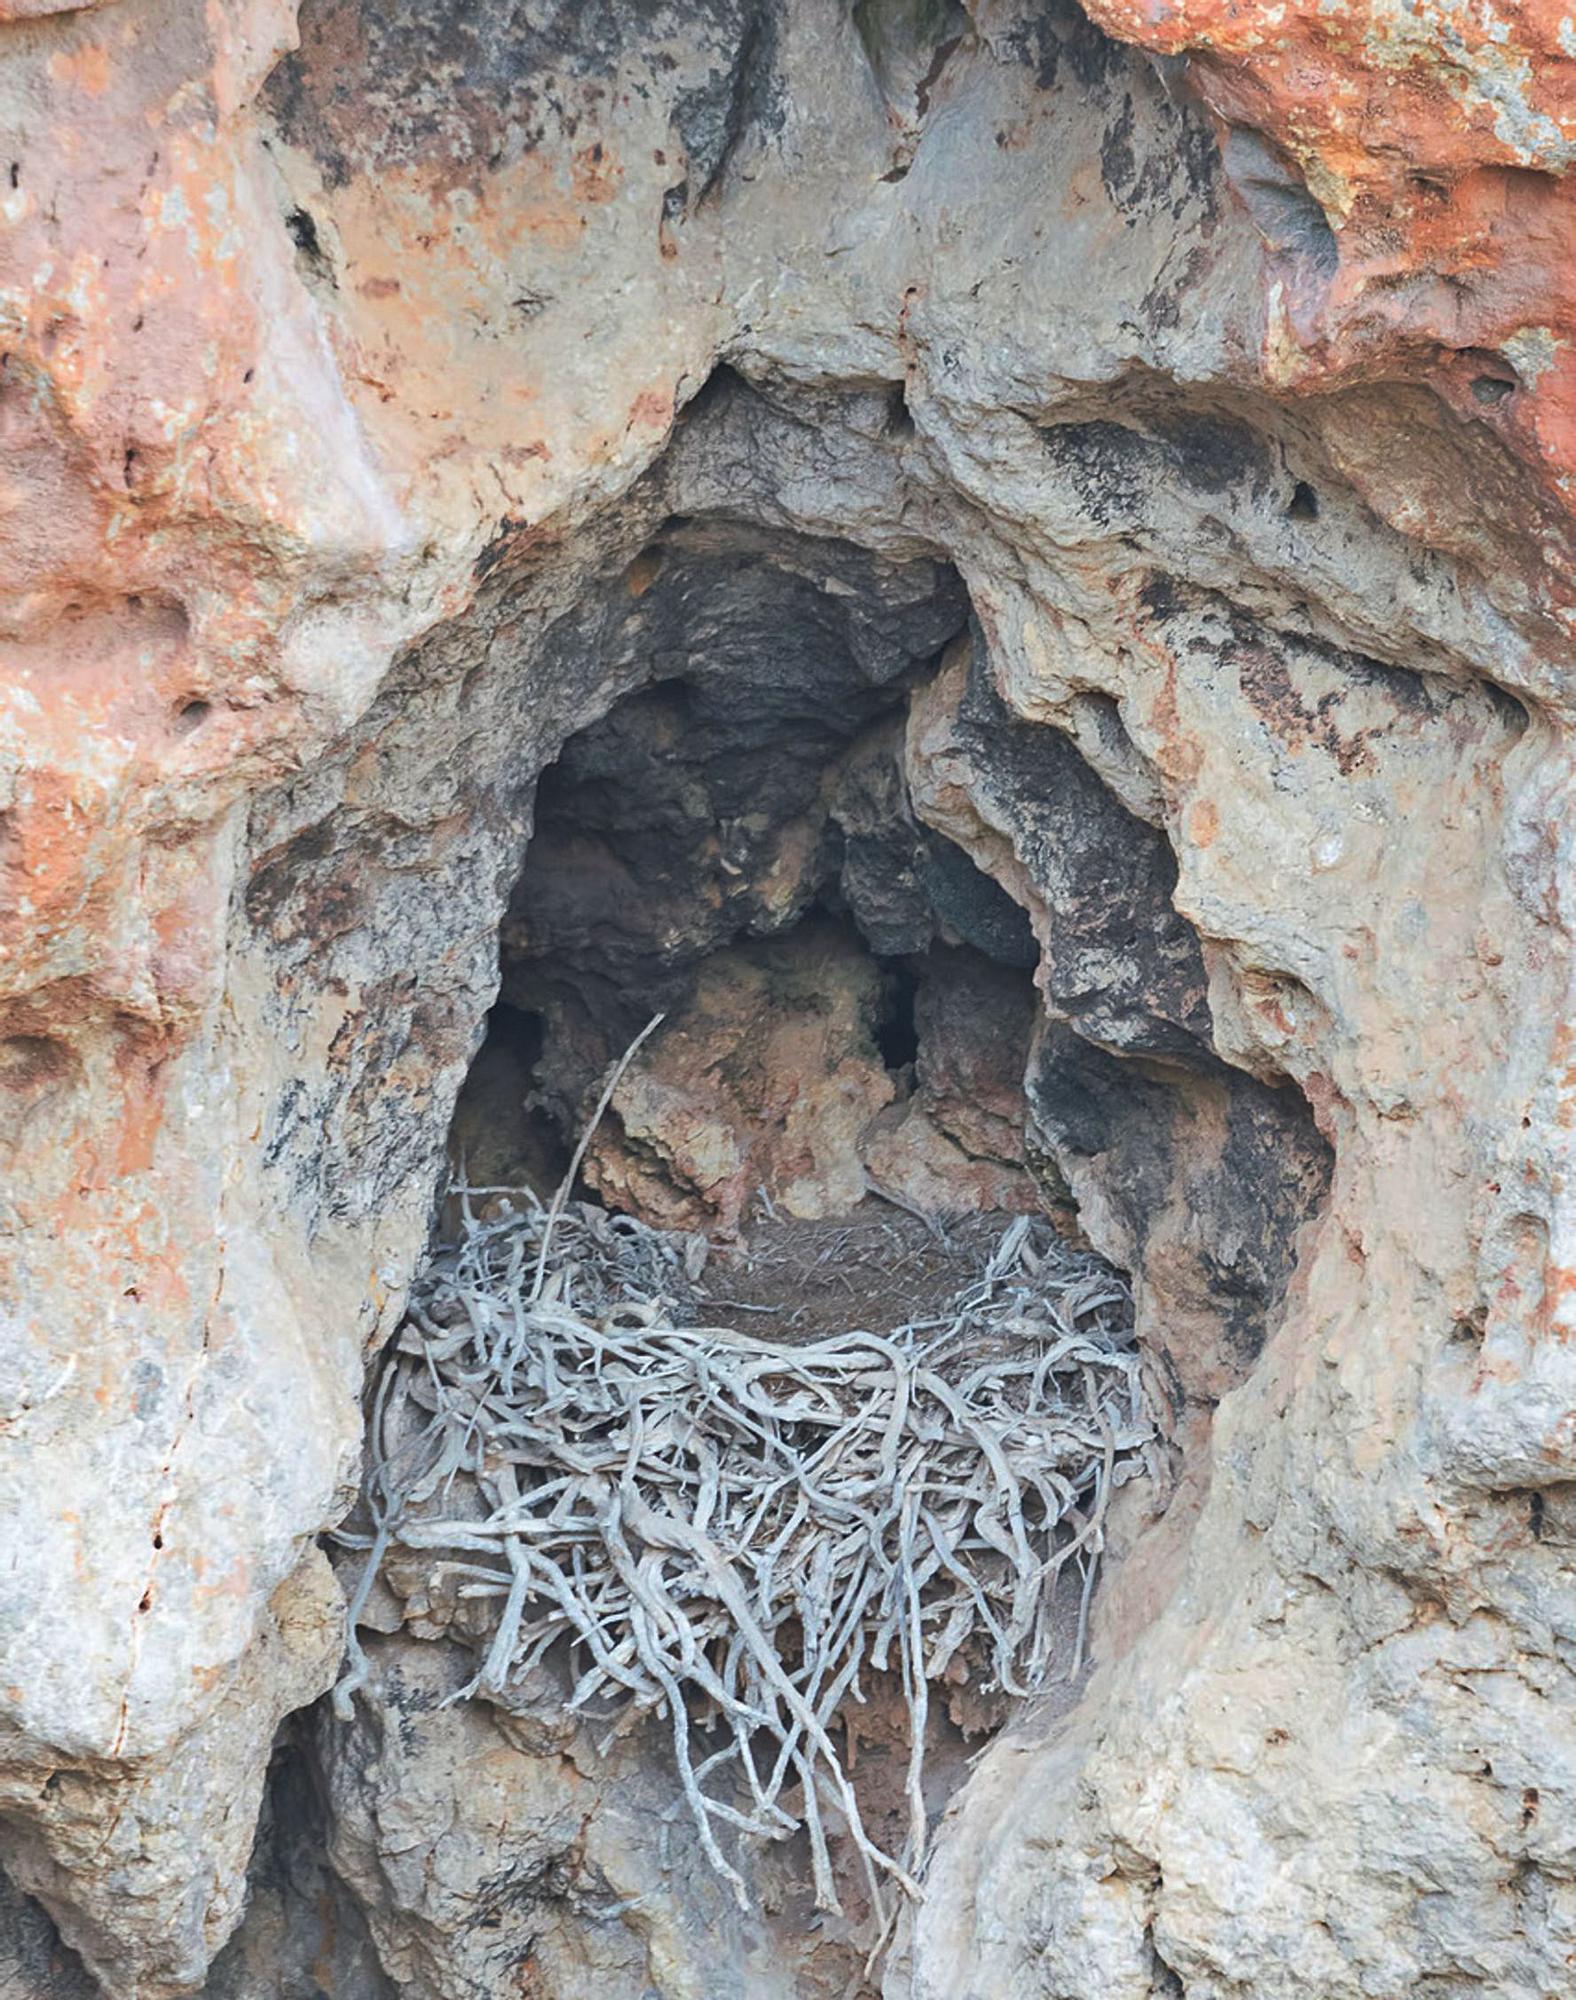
(1082, 489)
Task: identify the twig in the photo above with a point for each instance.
(567, 1183)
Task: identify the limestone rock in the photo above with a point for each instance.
(144, 1872)
(767, 1079)
(1219, 356)
(955, 1144)
(497, 1853)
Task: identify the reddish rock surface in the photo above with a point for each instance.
(1432, 141)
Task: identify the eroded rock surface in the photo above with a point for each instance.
(1221, 374)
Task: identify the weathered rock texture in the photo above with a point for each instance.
(354, 394)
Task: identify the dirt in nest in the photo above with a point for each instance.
(877, 1268)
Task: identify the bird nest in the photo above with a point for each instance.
(737, 1532)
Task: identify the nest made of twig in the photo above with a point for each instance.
(745, 1523)
(713, 1519)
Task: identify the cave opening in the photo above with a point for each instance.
(829, 988)
(819, 1165)
(797, 1232)
(914, 952)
